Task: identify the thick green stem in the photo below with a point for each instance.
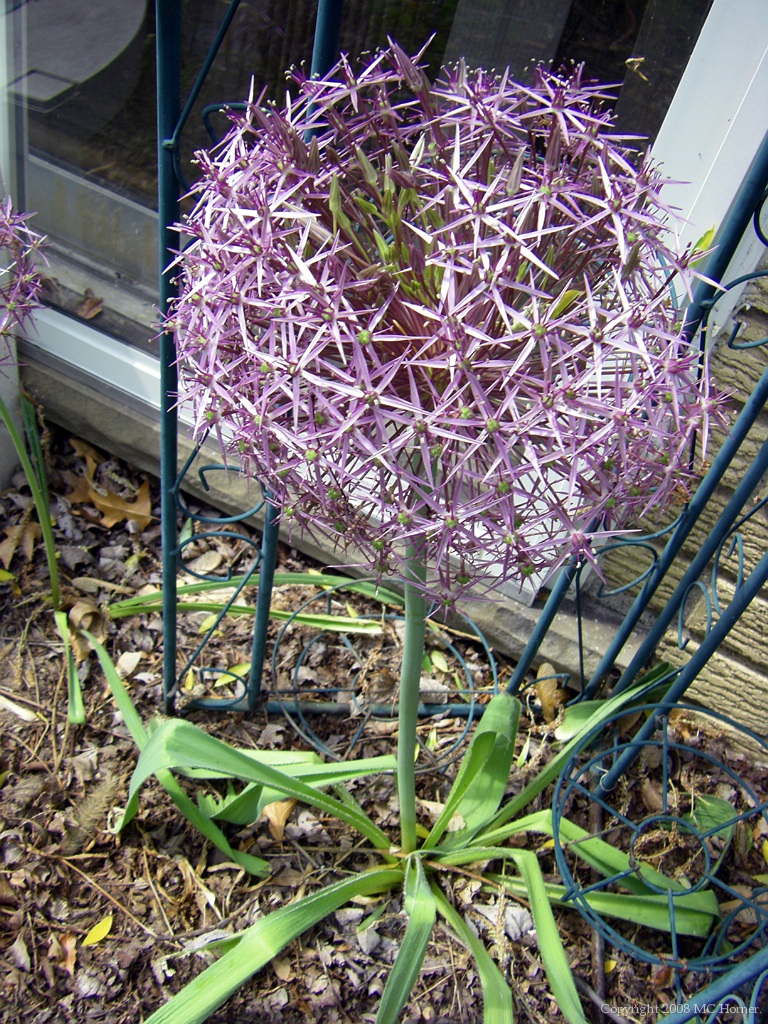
(410, 677)
(40, 499)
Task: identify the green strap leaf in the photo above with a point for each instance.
(421, 908)
(178, 744)
(600, 855)
(550, 944)
(482, 779)
(329, 623)
(262, 942)
(122, 699)
(38, 485)
(713, 816)
(497, 996)
(253, 865)
(154, 601)
(692, 912)
(75, 708)
(637, 694)
(245, 807)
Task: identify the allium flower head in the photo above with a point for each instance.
(440, 314)
(19, 280)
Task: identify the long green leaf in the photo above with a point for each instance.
(245, 807)
(576, 716)
(644, 689)
(262, 942)
(328, 622)
(550, 944)
(420, 906)
(497, 996)
(482, 778)
(124, 703)
(595, 851)
(611, 862)
(179, 744)
(471, 766)
(143, 603)
(692, 912)
(710, 816)
(38, 485)
(75, 707)
(286, 760)
(253, 865)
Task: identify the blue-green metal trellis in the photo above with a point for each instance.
(172, 119)
(588, 775)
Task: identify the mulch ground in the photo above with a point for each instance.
(64, 870)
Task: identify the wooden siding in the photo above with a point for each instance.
(735, 680)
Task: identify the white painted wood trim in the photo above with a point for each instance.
(715, 125)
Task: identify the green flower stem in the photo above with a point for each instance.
(410, 677)
(40, 499)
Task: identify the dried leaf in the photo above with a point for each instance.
(277, 814)
(194, 885)
(19, 954)
(99, 931)
(91, 585)
(550, 694)
(8, 897)
(15, 709)
(368, 940)
(115, 509)
(32, 534)
(89, 986)
(85, 614)
(92, 457)
(90, 306)
(79, 492)
(434, 808)
(206, 563)
(68, 946)
(127, 663)
(27, 535)
(661, 976)
(652, 795)
(283, 969)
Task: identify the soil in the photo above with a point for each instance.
(64, 869)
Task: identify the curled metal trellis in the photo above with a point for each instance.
(172, 119)
(692, 822)
(300, 695)
(202, 526)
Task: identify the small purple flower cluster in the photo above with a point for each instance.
(440, 315)
(19, 280)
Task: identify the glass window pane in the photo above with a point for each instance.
(82, 86)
